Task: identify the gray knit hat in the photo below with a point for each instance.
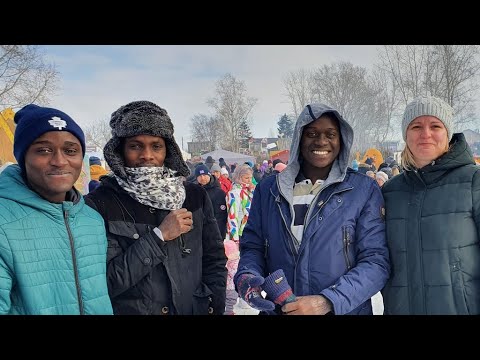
(142, 118)
(428, 105)
(215, 167)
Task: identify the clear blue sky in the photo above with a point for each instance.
(96, 80)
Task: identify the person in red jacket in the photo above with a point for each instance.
(225, 182)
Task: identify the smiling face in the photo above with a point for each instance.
(427, 139)
(144, 150)
(53, 163)
(320, 146)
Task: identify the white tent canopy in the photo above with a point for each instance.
(229, 157)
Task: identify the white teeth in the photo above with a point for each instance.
(320, 152)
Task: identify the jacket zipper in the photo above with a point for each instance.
(74, 259)
(294, 252)
(346, 244)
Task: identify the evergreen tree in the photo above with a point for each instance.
(285, 126)
(244, 134)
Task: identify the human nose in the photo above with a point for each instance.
(321, 139)
(425, 132)
(147, 154)
(58, 159)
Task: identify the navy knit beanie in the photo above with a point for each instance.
(93, 160)
(201, 170)
(33, 121)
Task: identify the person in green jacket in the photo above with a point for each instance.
(53, 247)
(433, 218)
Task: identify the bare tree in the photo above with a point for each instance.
(344, 87)
(446, 71)
(25, 77)
(98, 133)
(232, 107)
(383, 105)
(298, 85)
(205, 128)
(365, 101)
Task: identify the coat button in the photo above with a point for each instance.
(210, 310)
(147, 261)
(165, 310)
(339, 200)
(152, 210)
(320, 218)
(136, 236)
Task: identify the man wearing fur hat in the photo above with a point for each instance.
(165, 252)
(53, 247)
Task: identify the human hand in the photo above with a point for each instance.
(278, 289)
(177, 222)
(249, 290)
(308, 305)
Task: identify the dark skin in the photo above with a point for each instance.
(53, 163)
(320, 145)
(148, 151)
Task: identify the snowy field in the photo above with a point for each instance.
(377, 305)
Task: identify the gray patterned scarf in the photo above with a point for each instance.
(157, 187)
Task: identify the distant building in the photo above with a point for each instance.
(390, 146)
(258, 146)
(199, 147)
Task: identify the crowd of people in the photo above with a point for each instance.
(158, 235)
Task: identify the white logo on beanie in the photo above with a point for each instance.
(57, 122)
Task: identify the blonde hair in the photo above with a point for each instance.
(240, 171)
(408, 160)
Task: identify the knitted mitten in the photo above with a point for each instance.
(278, 289)
(249, 289)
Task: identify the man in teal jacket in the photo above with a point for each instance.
(52, 246)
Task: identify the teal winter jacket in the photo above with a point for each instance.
(52, 256)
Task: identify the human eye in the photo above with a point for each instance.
(311, 133)
(157, 147)
(331, 135)
(71, 151)
(134, 146)
(43, 150)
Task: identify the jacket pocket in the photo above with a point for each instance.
(202, 301)
(458, 287)
(347, 241)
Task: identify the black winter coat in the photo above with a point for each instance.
(219, 203)
(148, 276)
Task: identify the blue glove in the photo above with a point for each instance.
(278, 289)
(249, 289)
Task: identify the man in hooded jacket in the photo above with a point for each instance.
(318, 221)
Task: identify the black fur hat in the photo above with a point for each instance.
(142, 118)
